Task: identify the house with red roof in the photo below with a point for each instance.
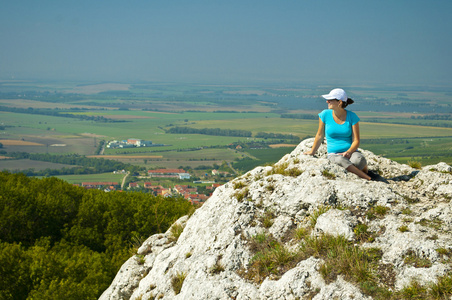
(133, 185)
(99, 185)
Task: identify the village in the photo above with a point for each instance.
(195, 194)
(131, 143)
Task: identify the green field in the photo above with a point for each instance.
(425, 150)
(103, 177)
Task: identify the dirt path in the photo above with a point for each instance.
(124, 180)
(234, 170)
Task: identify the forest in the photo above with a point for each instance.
(59, 241)
(209, 131)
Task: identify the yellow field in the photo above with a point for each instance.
(19, 143)
(383, 130)
(282, 145)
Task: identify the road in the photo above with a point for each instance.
(124, 180)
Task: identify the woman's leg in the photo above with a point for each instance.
(358, 172)
(360, 162)
(348, 164)
(365, 169)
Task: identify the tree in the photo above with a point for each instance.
(59, 241)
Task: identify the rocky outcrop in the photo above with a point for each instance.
(404, 220)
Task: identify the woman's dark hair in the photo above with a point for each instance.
(349, 101)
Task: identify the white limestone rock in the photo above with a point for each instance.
(422, 275)
(297, 281)
(340, 289)
(214, 247)
(336, 222)
(126, 281)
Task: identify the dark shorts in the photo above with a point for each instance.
(357, 159)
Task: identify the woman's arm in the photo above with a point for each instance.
(355, 143)
(318, 138)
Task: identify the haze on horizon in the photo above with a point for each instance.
(346, 42)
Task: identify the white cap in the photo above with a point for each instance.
(338, 94)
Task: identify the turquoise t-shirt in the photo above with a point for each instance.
(339, 137)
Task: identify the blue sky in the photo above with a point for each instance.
(323, 41)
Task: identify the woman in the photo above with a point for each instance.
(341, 128)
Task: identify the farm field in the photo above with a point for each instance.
(405, 123)
(25, 164)
(102, 177)
(427, 150)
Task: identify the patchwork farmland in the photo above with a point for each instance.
(68, 120)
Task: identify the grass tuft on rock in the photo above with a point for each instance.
(176, 230)
(416, 261)
(267, 218)
(283, 170)
(328, 175)
(242, 194)
(271, 258)
(362, 234)
(415, 164)
(360, 266)
(177, 281)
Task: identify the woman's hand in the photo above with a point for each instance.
(346, 154)
(309, 153)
